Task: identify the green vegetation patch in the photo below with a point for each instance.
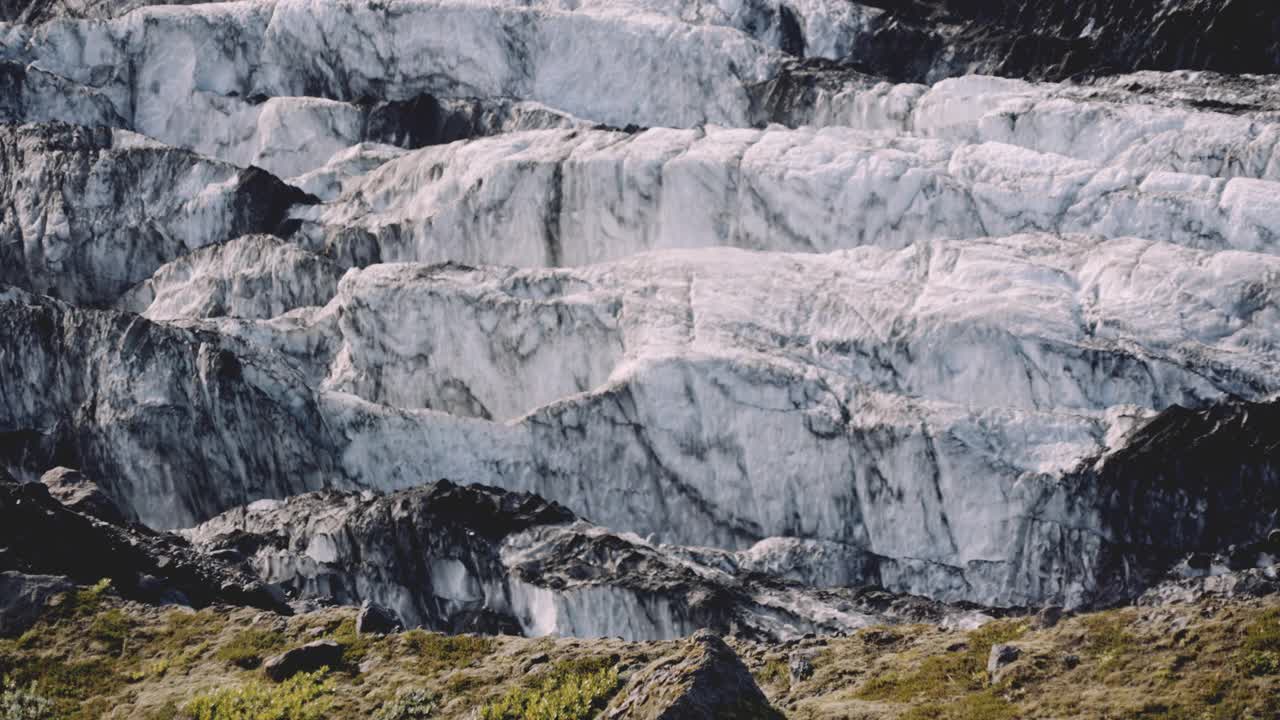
(984, 705)
(438, 653)
(24, 703)
(571, 690)
(305, 696)
(113, 629)
(938, 677)
(247, 648)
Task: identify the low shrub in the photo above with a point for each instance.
(24, 703)
(305, 696)
(572, 691)
(413, 704)
(437, 652)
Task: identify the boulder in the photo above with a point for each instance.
(375, 619)
(1048, 617)
(308, 658)
(705, 680)
(800, 664)
(77, 492)
(23, 597)
(1001, 656)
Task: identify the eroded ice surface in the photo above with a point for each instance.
(651, 260)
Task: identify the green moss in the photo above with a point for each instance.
(563, 694)
(181, 633)
(305, 696)
(58, 678)
(247, 648)
(438, 653)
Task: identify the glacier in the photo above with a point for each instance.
(791, 297)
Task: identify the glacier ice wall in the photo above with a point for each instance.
(786, 287)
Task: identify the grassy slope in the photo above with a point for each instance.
(97, 656)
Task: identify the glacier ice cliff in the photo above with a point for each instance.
(764, 301)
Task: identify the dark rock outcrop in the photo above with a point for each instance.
(23, 597)
(308, 658)
(704, 681)
(374, 619)
(1001, 656)
(39, 535)
(924, 39)
(1188, 481)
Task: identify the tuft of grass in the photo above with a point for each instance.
(1260, 662)
(1263, 634)
(355, 647)
(112, 628)
(305, 696)
(437, 653)
(984, 705)
(81, 602)
(576, 690)
(938, 677)
(774, 672)
(247, 648)
(1107, 634)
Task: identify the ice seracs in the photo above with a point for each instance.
(91, 211)
(575, 197)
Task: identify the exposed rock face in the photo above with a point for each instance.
(705, 681)
(1225, 456)
(39, 535)
(942, 37)
(23, 598)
